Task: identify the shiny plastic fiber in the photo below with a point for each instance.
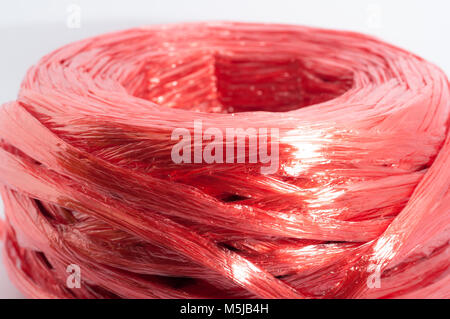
(362, 187)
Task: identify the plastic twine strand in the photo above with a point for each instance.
(358, 207)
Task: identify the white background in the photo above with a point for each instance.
(29, 29)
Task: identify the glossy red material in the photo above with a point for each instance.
(362, 185)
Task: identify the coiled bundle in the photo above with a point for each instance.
(362, 184)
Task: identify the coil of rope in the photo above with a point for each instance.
(362, 185)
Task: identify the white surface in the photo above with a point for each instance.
(29, 29)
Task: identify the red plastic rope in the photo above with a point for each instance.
(358, 207)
